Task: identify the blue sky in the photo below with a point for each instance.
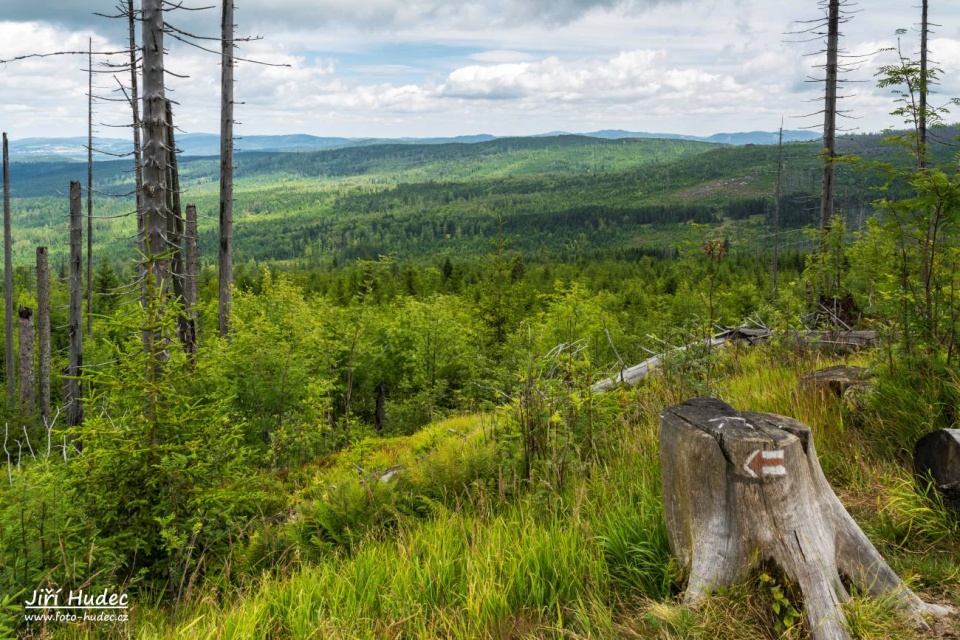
(395, 68)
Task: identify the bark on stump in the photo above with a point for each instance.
(743, 488)
(936, 456)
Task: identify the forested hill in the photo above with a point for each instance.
(386, 162)
(555, 197)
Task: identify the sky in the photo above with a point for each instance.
(418, 68)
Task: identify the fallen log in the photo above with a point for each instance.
(636, 373)
(835, 342)
(831, 341)
(746, 488)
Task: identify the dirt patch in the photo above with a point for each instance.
(727, 188)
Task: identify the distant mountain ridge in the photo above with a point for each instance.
(208, 144)
(740, 138)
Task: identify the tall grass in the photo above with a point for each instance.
(458, 549)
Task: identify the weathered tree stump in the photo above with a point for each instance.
(937, 456)
(744, 488)
(835, 380)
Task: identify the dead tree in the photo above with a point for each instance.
(135, 110)
(191, 280)
(174, 207)
(27, 396)
(746, 488)
(155, 155)
(74, 321)
(226, 169)
(175, 228)
(8, 275)
(827, 30)
(90, 189)
(924, 77)
(776, 212)
(830, 114)
(43, 333)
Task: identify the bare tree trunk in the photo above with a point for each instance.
(922, 125)
(8, 275)
(135, 108)
(830, 115)
(191, 279)
(776, 212)
(43, 331)
(175, 219)
(27, 395)
(90, 189)
(155, 156)
(175, 228)
(226, 169)
(74, 321)
(174, 210)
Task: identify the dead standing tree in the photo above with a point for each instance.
(830, 114)
(43, 333)
(27, 395)
(226, 168)
(827, 30)
(135, 111)
(175, 231)
(74, 320)
(191, 281)
(8, 276)
(746, 488)
(90, 189)
(156, 258)
(924, 80)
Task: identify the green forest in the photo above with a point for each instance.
(404, 433)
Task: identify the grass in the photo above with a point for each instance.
(453, 549)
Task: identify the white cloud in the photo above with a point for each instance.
(641, 77)
(443, 67)
(501, 56)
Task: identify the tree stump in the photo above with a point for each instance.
(937, 456)
(744, 488)
(835, 380)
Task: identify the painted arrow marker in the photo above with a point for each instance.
(765, 463)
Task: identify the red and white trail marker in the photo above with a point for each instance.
(765, 463)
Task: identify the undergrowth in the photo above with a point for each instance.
(448, 533)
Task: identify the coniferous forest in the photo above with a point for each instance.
(406, 412)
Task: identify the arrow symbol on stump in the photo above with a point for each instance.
(765, 463)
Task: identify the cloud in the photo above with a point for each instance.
(75, 13)
(501, 56)
(369, 14)
(631, 76)
(945, 53)
(479, 14)
(435, 67)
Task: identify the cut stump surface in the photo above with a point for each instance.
(744, 488)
